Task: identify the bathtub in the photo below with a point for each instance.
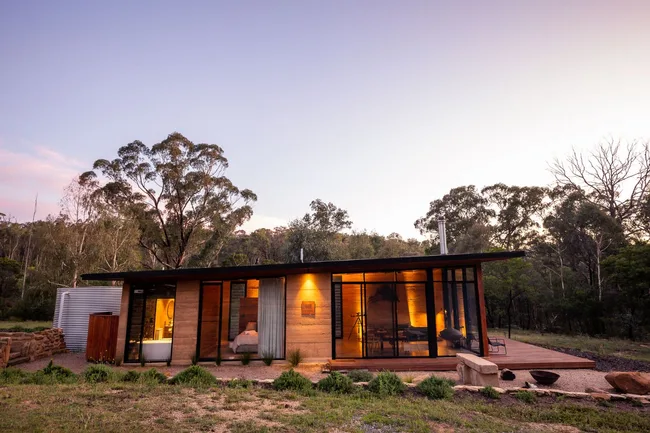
(157, 350)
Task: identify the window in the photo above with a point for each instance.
(150, 326)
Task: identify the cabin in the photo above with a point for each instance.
(397, 308)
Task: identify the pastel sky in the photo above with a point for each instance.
(377, 106)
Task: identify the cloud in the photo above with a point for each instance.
(38, 170)
(262, 222)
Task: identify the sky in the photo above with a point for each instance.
(377, 106)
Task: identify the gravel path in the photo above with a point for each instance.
(570, 380)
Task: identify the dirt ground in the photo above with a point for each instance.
(570, 380)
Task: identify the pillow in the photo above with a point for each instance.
(251, 326)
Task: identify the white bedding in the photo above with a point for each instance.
(246, 338)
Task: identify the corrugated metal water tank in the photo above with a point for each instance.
(78, 303)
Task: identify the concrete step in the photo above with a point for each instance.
(16, 361)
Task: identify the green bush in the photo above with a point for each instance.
(267, 358)
(53, 374)
(240, 383)
(436, 388)
(246, 358)
(13, 376)
(525, 396)
(295, 357)
(290, 380)
(490, 392)
(195, 376)
(360, 376)
(131, 376)
(336, 382)
(99, 374)
(153, 376)
(386, 383)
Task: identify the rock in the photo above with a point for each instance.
(530, 385)
(592, 390)
(630, 382)
(601, 396)
(507, 374)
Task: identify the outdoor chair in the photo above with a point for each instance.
(496, 344)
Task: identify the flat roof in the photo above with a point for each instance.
(335, 266)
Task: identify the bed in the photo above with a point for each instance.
(247, 340)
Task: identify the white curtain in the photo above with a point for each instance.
(270, 317)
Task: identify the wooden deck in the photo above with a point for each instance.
(521, 356)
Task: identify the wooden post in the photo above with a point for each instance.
(481, 311)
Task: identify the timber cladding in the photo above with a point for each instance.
(121, 329)
(186, 319)
(312, 334)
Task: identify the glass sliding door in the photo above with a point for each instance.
(151, 323)
(380, 314)
(348, 320)
(381, 336)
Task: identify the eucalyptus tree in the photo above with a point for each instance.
(178, 192)
(614, 176)
(463, 208)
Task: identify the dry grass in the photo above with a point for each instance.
(27, 325)
(165, 408)
(602, 346)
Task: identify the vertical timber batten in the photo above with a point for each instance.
(481, 310)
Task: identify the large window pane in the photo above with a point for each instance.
(151, 323)
(412, 332)
(456, 313)
(348, 315)
(381, 332)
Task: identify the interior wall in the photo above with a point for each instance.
(312, 334)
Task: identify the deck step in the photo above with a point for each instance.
(16, 361)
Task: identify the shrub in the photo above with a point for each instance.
(98, 374)
(295, 357)
(525, 396)
(360, 376)
(290, 380)
(490, 392)
(153, 376)
(267, 358)
(386, 383)
(436, 388)
(12, 376)
(246, 358)
(131, 376)
(240, 383)
(54, 374)
(409, 378)
(195, 376)
(336, 382)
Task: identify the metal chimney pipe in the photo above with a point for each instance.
(442, 234)
(301, 255)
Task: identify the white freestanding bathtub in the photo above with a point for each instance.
(157, 350)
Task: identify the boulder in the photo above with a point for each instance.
(630, 382)
(592, 390)
(507, 374)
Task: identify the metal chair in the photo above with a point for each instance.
(496, 344)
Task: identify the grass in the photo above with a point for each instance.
(130, 407)
(24, 326)
(603, 346)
